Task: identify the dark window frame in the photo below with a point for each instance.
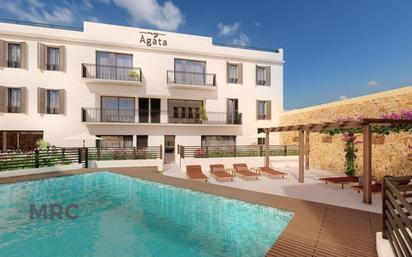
(10, 64)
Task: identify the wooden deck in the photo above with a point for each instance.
(316, 229)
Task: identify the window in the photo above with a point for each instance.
(53, 58)
(14, 55)
(190, 72)
(115, 141)
(263, 75)
(261, 141)
(141, 141)
(118, 109)
(184, 111)
(19, 140)
(234, 73)
(53, 101)
(14, 103)
(220, 141)
(113, 66)
(149, 108)
(263, 110)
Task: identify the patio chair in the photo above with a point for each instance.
(271, 173)
(194, 172)
(219, 172)
(243, 172)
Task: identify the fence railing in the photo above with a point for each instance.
(397, 214)
(41, 158)
(191, 78)
(54, 156)
(163, 117)
(236, 151)
(98, 71)
(101, 154)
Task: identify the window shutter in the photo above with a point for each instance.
(268, 110)
(240, 73)
(256, 75)
(257, 110)
(3, 99)
(3, 51)
(24, 55)
(41, 100)
(62, 58)
(62, 101)
(41, 56)
(24, 100)
(227, 72)
(268, 79)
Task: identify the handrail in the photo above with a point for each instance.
(397, 214)
(191, 78)
(111, 72)
(236, 151)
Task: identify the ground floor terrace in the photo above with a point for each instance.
(317, 229)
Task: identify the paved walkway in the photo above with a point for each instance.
(316, 229)
(312, 190)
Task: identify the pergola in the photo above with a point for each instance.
(304, 130)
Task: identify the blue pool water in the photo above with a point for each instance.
(124, 216)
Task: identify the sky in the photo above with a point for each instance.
(334, 49)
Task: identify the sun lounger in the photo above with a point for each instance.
(272, 173)
(375, 188)
(341, 180)
(194, 172)
(219, 172)
(243, 172)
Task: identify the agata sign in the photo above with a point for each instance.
(152, 39)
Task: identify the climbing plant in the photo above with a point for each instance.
(349, 135)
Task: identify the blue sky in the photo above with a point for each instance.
(334, 49)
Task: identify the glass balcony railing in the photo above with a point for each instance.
(108, 72)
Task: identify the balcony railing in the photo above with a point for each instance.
(191, 78)
(108, 72)
(162, 117)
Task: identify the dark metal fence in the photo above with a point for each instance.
(191, 78)
(54, 156)
(98, 71)
(41, 158)
(236, 151)
(163, 117)
(100, 154)
(397, 214)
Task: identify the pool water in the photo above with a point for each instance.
(124, 216)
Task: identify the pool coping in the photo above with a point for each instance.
(316, 229)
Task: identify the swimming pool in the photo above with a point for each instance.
(124, 216)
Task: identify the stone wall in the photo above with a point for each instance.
(389, 153)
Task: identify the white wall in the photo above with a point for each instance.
(154, 62)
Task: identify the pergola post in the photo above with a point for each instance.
(367, 163)
(301, 155)
(267, 147)
(307, 151)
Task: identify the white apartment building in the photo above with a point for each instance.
(133, 87)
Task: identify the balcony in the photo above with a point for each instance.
(194, 80)
(107, 74)
(123, 116)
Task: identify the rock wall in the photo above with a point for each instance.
(389, 153)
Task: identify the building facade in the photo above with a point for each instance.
(133, 87)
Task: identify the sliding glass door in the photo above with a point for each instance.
(118, 109)
(190, 72)
(113, 66)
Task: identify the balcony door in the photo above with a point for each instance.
(149, 108)
(113, 66)
(232, 111)
(184, 111)
(190, 72)
(118, 109)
